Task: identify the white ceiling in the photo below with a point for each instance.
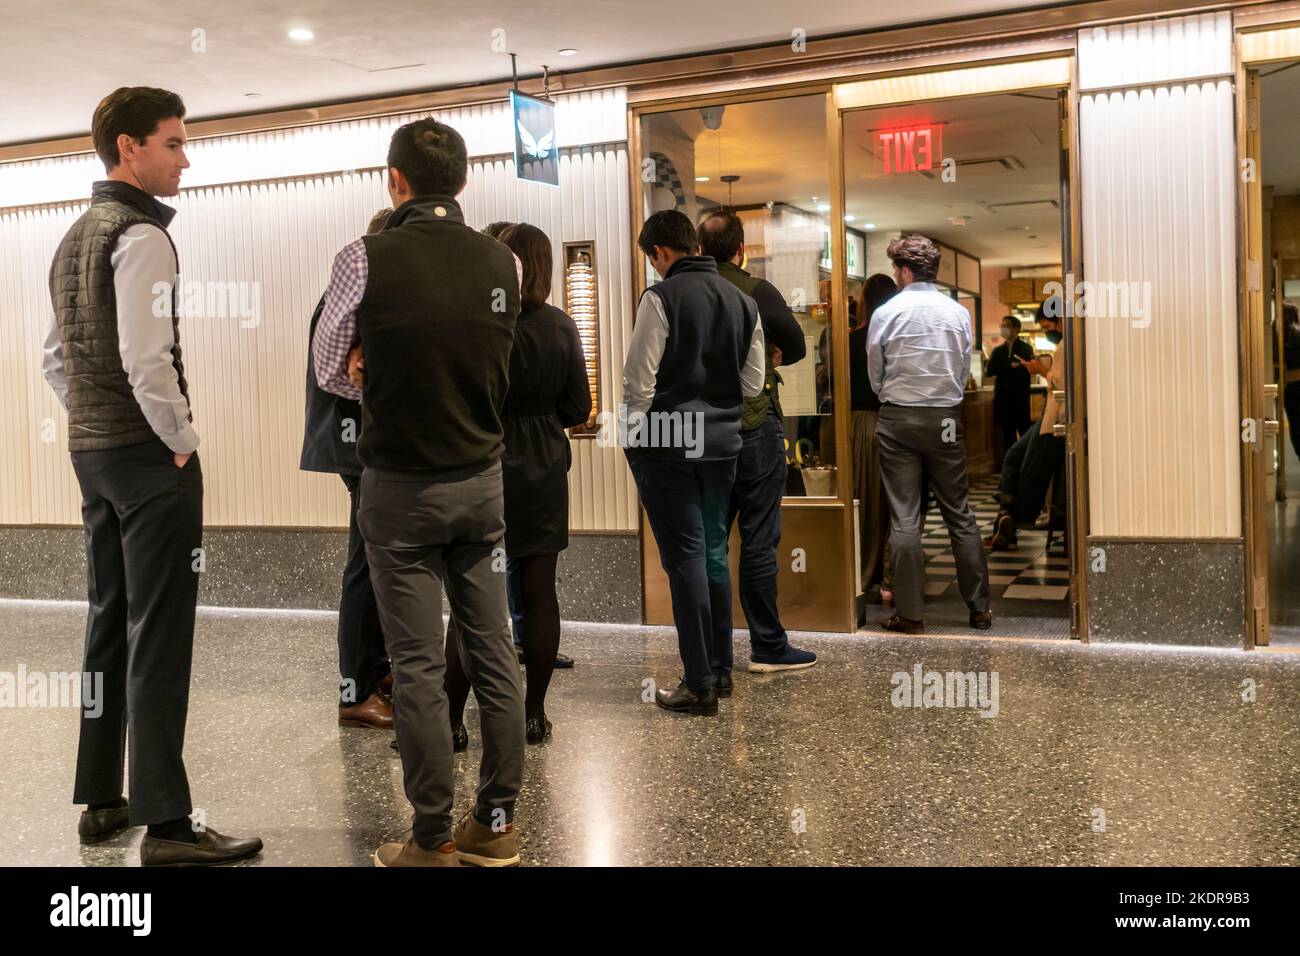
(57, 59)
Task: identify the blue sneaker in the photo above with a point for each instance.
(792, 659)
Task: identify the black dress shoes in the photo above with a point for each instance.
(562, 661)
(903, 625)
(722, 684)
(981, 620)
(537, 729)
(96, 826)
(459, 738)
(683, 700)
(212, 848)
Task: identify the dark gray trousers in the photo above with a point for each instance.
(919, 445)
(422, 536)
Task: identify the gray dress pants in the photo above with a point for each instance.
(919, 444)
(422, 535)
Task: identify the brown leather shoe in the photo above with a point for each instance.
(411, 853)
(981, 620)
(374, 712)
(903, 625)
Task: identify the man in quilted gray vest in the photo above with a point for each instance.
(113, 357)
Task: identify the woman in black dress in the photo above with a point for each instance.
(548, 393)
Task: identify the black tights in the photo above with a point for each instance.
(533, 584)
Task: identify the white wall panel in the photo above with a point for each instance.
(1157, 169)
(278, 238)
(581, 119)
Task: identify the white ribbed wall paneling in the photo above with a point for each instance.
(247, 384)
(1157, 167)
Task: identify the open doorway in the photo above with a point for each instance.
(1277, 88)
(982, 176)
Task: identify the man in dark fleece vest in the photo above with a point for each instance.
(761, 467)
(113, 357)
(432, 305)
(696, 353)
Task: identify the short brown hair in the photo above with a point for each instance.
(917, 253)
(533, 248)
(135, 111)
(379, 220)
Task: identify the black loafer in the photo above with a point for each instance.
(537, 729)
(981, 620)
(459, 738)
(903, 625)
(562, 661)
(96, 826)
(722, 684)
(683, 700)
(211, 849)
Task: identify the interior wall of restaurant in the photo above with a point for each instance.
(268, 211)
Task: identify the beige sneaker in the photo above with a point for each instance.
(482, 846)
(411, 853)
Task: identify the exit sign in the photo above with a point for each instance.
(909, 149)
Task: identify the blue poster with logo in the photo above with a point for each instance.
(537, 157)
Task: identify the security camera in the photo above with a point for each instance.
(712, 116)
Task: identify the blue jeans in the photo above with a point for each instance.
(756, 501)
(687, 503)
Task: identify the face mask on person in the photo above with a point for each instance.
(1006, 332)
(1053, 335)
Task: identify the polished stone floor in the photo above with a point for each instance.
(1097, 755)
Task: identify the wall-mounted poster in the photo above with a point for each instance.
(537, 157)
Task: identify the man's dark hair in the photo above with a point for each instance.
(721, 235)
(135, 111)
(431, 155)
(669, 229)
(379, 220)
(917, 253)
(533, 248)
(1012, 321)
(1049, 310)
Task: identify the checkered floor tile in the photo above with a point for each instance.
(1029, 573)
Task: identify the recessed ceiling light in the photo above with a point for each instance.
(823, 207)
(568, 51)
(701, 179)
(849, 217)
(301, 33)
(868, 225)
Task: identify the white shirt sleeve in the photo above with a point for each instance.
(144, 272)
(644, 352)
(754, 374)
(52, 362)
(876, 352)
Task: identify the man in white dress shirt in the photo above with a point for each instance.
(113, 358)
(918, 360)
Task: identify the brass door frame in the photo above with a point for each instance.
(1071, 256)
(1278, 42)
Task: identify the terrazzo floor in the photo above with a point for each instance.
(1097, 754)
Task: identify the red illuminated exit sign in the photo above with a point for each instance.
(909, 149)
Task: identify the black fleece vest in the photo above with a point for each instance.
(437, 322)
(710, 325)
(102, 410)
